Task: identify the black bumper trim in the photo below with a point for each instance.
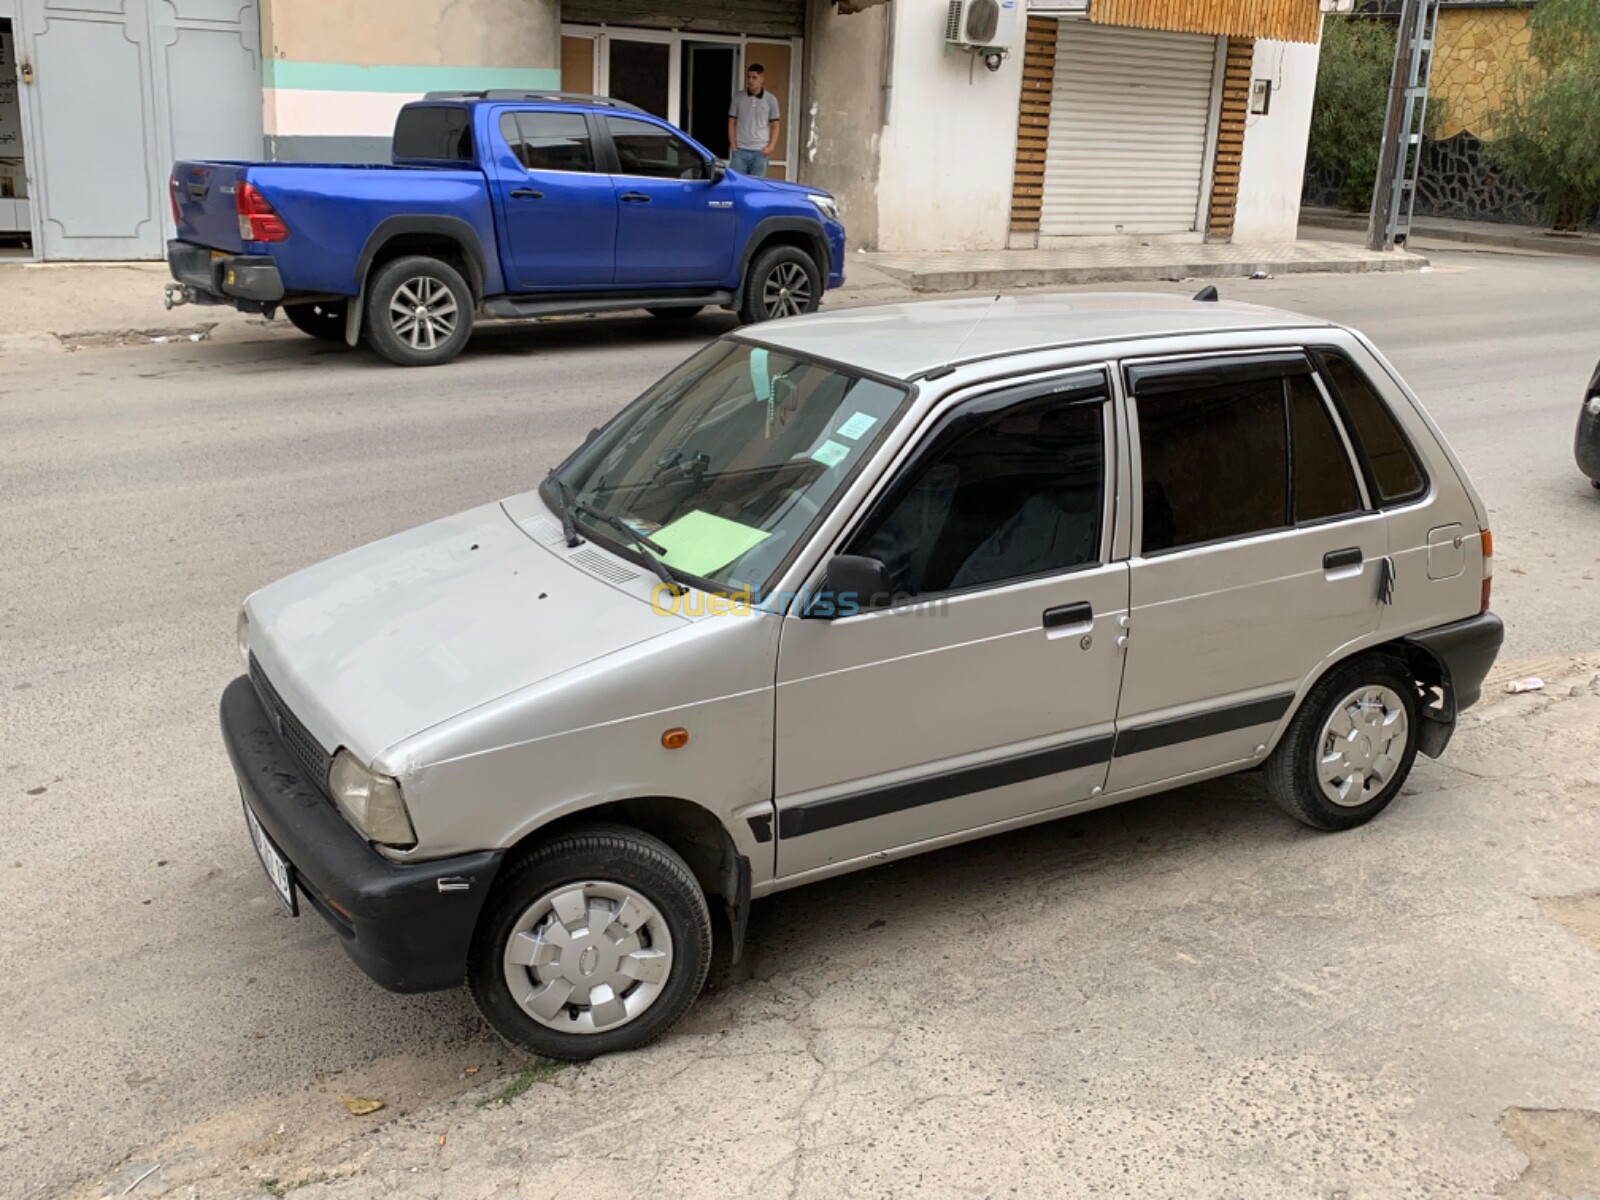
(399, 928)
(250, 277)
(1464, 650)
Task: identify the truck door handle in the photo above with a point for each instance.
(1338, 560)
(1066, 620)
(526, 194)
(635, 198)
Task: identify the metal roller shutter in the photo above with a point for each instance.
(769, 18)
(1129, 119)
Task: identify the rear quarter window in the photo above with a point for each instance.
(1394, 472)
(441, 133)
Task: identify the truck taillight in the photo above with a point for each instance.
(258, 220)
(172, 194)
(1488, 569)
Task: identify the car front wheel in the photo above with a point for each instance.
(782, 282)
(1348, 750)
(597, 941)
(419, 311)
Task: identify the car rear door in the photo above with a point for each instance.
(555, 208)
(675, 226)
(1257, 555)
(988, 690)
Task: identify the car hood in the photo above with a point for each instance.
(383, 642)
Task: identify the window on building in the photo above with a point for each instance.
(434, 131)
(1324, 484)
(549, 141)
(646, 149)
(1395, 475)
(1018, 493)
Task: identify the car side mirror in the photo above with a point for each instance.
(716, 170)
(854, 583)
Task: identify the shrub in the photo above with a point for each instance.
(1352, 93)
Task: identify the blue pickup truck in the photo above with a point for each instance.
(500, 205)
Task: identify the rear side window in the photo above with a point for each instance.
(1216, 463)
(1014, 494)
(434, 132)
(1324, 484)
(1394, 474)
(549, 141)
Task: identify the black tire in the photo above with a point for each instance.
(676, 314)
(417, 276)
(777, 266)
(1292, 771)
(610, 854)
(322, 319)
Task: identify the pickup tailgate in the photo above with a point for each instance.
(204, 195)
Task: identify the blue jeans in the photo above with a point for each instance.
(749, 162)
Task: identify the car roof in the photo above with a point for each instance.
(908, 341)
(555, 98)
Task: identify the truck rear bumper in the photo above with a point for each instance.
(247, 281)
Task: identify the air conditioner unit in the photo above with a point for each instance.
(982, 24)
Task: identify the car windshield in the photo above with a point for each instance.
(725, 464)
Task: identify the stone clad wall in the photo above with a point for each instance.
(1473, 54)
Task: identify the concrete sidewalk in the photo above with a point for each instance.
(984, 269)
(1477, 233)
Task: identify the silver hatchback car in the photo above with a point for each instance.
(846, 588)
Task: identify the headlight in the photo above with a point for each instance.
(242, 628)
(825, 204)
(371, 802)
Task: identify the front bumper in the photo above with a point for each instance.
(407, 925)
(1586, 446)
(251, 278)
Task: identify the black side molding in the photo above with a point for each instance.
(1173, 730)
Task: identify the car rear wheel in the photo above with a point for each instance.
(598, 941)
(782, 282)
(322, 319)
(1349, 749)
(419, 311)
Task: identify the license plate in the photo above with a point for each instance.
(279, 870)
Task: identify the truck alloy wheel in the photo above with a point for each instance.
(782, 282)
(419, 311)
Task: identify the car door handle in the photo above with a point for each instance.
(635, 198)
(1066, 620)
(526, 194)
(1338, 560)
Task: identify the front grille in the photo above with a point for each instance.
(307, 751)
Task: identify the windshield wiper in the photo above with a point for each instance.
(565, 503)
(651, 549)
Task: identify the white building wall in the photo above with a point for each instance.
(1273, 163)
(945, 161)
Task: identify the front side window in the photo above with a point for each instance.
(647, 149)
(549, 141)
(1395, 475)
(728, 462)
(1009, 495)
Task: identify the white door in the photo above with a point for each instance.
(989, 692)
(1130, 123)
(120, 89)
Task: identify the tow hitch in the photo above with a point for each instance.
(176, 294)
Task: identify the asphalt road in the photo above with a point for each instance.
(149, 986)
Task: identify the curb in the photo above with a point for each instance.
(1579, 245)
(1014, 277)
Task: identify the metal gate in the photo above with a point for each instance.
(121, 88)
(1130, 125)
(769, 18)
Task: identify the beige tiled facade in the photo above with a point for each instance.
(1474, 53)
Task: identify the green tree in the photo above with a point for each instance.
(1547, 134)
(1352, 93)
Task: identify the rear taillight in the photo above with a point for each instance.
(258, 220)
(1488, 569)
(172, 194)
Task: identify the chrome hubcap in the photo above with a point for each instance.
(588, 957)
(787, 291)
(423, 312)
(1362, 745)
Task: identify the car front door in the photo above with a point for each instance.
(1257, 556)
(675, 224)
(987, 690)
(557, 211)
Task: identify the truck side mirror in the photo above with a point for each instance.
(854, 583)
(717, 170)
